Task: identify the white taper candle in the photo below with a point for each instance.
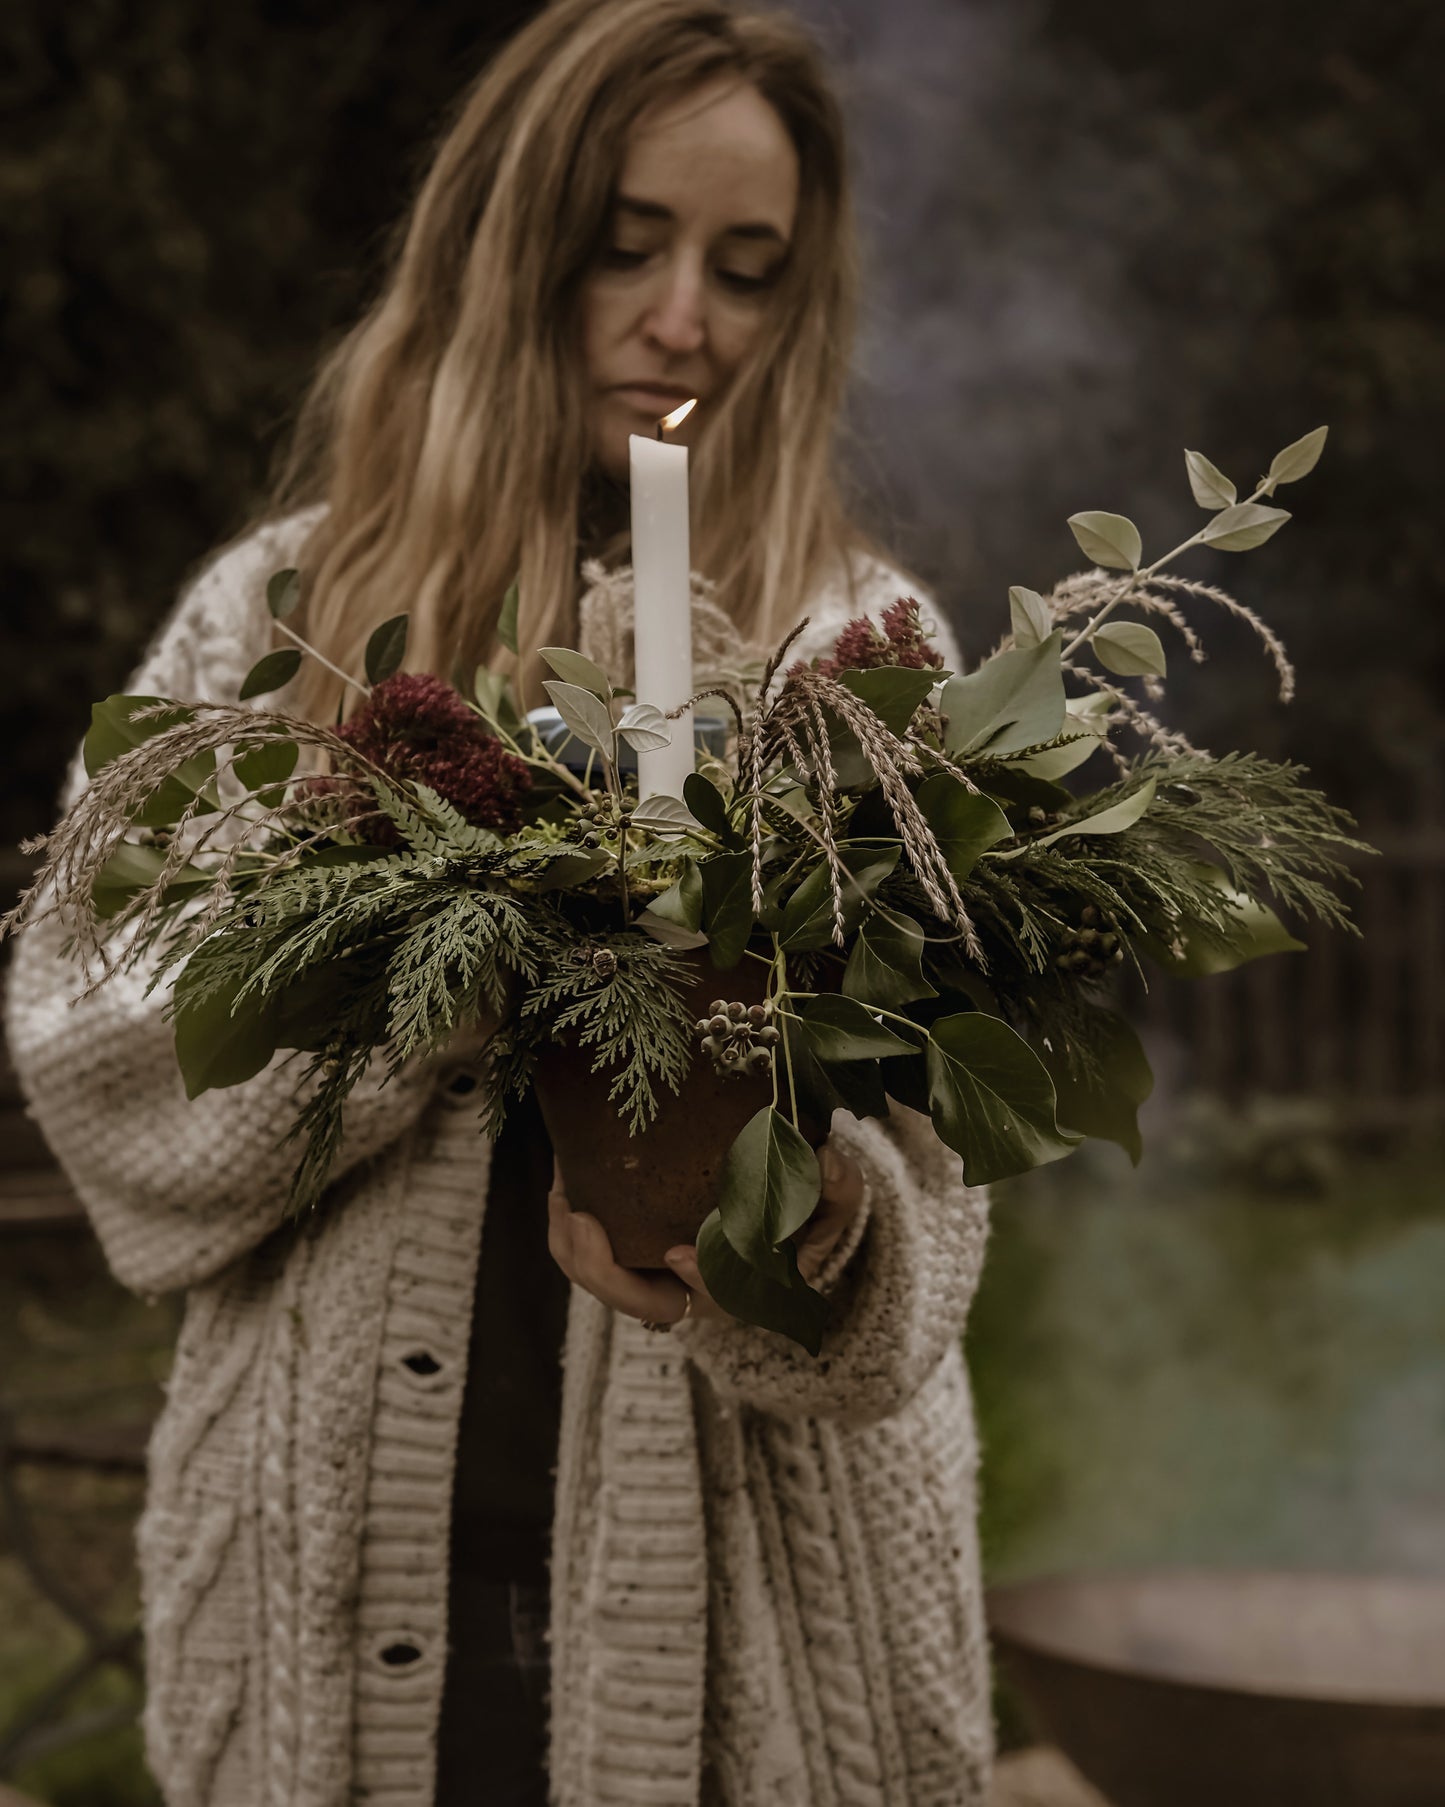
(662, 613)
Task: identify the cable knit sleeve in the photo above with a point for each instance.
(899, 1295)
(176, 1189)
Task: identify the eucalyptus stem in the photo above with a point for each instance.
(321, 659)
(1141, 575)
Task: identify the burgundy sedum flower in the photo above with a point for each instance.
(901, 641)
(417, 727)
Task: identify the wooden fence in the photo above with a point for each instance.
(1358, 1021)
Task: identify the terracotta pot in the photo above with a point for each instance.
(653, 1191)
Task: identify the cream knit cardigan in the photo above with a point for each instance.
(765, 1577)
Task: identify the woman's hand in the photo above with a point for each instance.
(581, 1248)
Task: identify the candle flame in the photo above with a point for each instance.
(670, 422)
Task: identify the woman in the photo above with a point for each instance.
(763, 1573)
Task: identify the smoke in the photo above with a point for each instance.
(1031, 225)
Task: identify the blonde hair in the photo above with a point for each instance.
(447, 432)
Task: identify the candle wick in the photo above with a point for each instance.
(659, 429)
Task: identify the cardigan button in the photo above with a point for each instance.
(400, 1655)
(421, 1361)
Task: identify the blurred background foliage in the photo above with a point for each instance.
(1099, 232)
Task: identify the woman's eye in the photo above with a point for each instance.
(746, 284)
(616, 257)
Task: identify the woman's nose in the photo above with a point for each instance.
(676, 321)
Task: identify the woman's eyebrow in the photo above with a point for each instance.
(654, 210)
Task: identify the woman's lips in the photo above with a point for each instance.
(650, 401)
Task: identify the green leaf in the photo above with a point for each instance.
(1029, 614)
(1108, 539)
(113, 731)
(706, 802)
(965, 823)
(507, 619)
(283, 592)
(220, 1042)
(855, 1086)
(493, 692)
(666, 817)
(1254, 930)
(385, 650)
(1130, 649)
(1087, 736)
(645, 728)
(791, 1308)
(769, 1188)
(727, 918)
(270, 673)
(808, 914)
(572, 668)
(1113, 820)
(841, 1029)
(682, 904)
(131, 869)
(892, 692)
(1299, 459)
(585, 714)
(1105, 1105)
(991, 1098)
(572, 868)
(886, 965)
(1242, 527)
(1212, 489)
(1013, 701)
(270, 761)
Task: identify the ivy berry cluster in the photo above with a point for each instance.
(607, 818)
(740, 1038)
(1088, 950)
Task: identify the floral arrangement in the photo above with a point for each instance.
(886, 851)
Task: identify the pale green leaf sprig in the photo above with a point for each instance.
(1126, 648)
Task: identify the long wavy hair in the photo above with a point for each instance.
(447, 432)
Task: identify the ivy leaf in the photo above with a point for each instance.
(283, 592)
(991, 1098)
(1029, 614)
(705, 801)
(667, 817)
(644, 727)
(1105, 1104)
(885, 966)
(572, 668)
(1212, 489)
(221, 1042)
(769, 1188)
(892, 692)
(808, 914)
(855, 1086)
(131, 869)
(1013, 701)
(789, 1307)
(682, 904)
(113, 731)
(1243, 527)
(586, 715)
(1108, 539)
(965, 823)
(1113, 820)
(1297, 460)
(270, 673)
(841, 1029)
(507, 619)
(1254, 930)
(1129, 648)
(727, 894)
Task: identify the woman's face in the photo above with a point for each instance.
(701, 224)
